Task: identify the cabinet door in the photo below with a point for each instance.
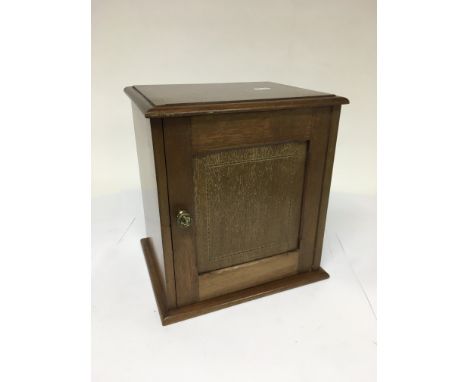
(247, 188)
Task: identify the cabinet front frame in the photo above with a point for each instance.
(185, 137)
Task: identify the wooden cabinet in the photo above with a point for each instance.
(235, 180)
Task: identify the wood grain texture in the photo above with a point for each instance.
(160, 101)
(207, 306)
(220, 132)
(243, 106)
(197, 94)
(252, 163)
(317, 151)
(177, 139)
(171, 316)
(164, 214)
(326, 183)
(155, 274)
(149, 186)
(247, 203)
(246, 275)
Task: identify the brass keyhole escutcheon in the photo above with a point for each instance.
(184, 219)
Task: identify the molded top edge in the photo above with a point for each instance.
(193, 99)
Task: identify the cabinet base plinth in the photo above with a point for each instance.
(171, 316)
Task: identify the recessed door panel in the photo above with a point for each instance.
(247, 203)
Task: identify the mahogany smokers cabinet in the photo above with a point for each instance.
(235, 180)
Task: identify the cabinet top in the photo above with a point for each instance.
(194, 99)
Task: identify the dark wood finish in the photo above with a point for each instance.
(138, 99)
(313, 187)
(149, 187)
(157, 101)
(171, 316)
(246, 275)
(244, 106)
(221, 132)
(156, 276)
(185, 94)
(178, 143)
(221, 302)
(164, 214)
(226, 134)
(326, 183)
(252, 163)
(151, 160)
(247, 203)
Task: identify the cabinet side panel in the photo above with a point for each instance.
(327, 177)
(149, 189)
(316, 158)
(163, 200)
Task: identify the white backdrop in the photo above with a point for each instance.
(322, 45)
(321, 332)
(327, 328)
